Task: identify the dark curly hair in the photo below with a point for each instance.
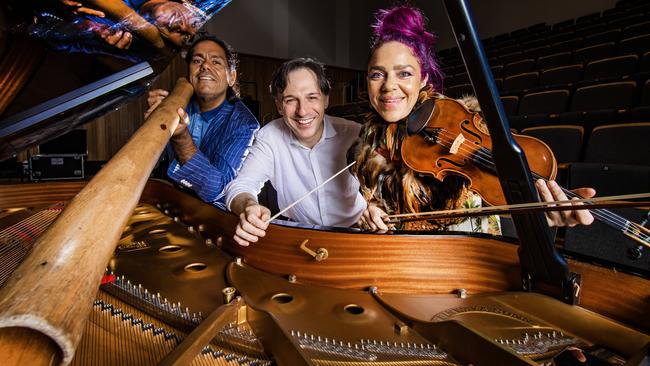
(231, 59)
(280, 76)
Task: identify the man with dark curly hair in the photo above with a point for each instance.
(216, 129)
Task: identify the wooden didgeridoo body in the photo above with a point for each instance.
(49, 297)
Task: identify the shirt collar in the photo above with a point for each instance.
(328, 130)
(208, 115)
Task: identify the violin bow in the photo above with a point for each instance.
(309, 193)
(564, 205)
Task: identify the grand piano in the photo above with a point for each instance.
(123, 270)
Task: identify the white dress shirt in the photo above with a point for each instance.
(294, 170)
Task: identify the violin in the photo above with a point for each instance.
(444, 138)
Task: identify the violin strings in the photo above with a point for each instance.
(483, 157)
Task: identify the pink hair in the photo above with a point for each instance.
(406, 24)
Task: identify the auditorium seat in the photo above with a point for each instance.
(520, 81)
(566, 46)
(561, 75)
(539, 28)
(614, 67)
(448, 72)
(604, 96)
(638, 44)
(497, 70)
(510, 104)
(519, 67)
(550, 101)
(499, 83)
(449, 80)
(585, 19)
(627, 4)
(599, 51)
(563, 24)
(619, 144)
(509, 49)
(613, 13)
(645, 94)
(590, 29)
(458, 91)
(640, 8)
(503, 40)
(540, 108)
(634, 30)
(645, 63)
(553, 60)
(599, 240)
(564, 140)
(602, 37)
(600, 103)
(628, 20)
(642, 111)
(461, 78)
(518, 33)
(537, 52)
(534, 43)
(559, 37)
(505, 59)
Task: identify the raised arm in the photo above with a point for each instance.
(241, 194)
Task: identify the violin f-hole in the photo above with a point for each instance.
(452, 162)
(463, 125)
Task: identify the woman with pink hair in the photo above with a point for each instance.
(402, 73)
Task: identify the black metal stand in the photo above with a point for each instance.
(540, 261)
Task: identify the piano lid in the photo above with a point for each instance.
(63, 65)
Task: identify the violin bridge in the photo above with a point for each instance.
(457, 143)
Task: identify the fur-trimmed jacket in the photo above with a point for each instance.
(394, 187)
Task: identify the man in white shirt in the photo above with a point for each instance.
(296, 153)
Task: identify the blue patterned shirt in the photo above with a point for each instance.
(222, 137)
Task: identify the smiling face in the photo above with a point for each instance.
(302, 106)
(209, 75)
(394, 81)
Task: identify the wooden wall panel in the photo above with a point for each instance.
(107, 134)
(16, 67)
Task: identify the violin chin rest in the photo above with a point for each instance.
(418, 119)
